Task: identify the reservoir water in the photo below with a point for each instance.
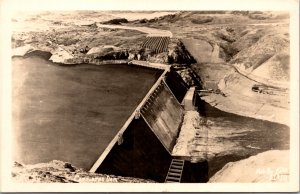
(71, 113)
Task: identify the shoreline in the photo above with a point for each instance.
(80, 61)
(47, 55)
(85, 60)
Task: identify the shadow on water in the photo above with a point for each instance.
(254, 136)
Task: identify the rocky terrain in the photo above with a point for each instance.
(63, 172)
(75, 42)
(243, 54)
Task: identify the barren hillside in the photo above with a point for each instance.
(243, 54)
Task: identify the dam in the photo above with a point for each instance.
(124, 126)
(63, 126)
(143, 146)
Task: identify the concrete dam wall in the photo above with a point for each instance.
(163, 114)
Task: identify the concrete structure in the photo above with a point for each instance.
(143, 146)
(189, 100)
(149, 65)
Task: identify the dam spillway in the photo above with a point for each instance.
(163, 114)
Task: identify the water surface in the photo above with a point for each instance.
(71, 113)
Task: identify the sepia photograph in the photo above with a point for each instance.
(155, 96)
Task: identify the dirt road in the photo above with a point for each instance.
(146, 30)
